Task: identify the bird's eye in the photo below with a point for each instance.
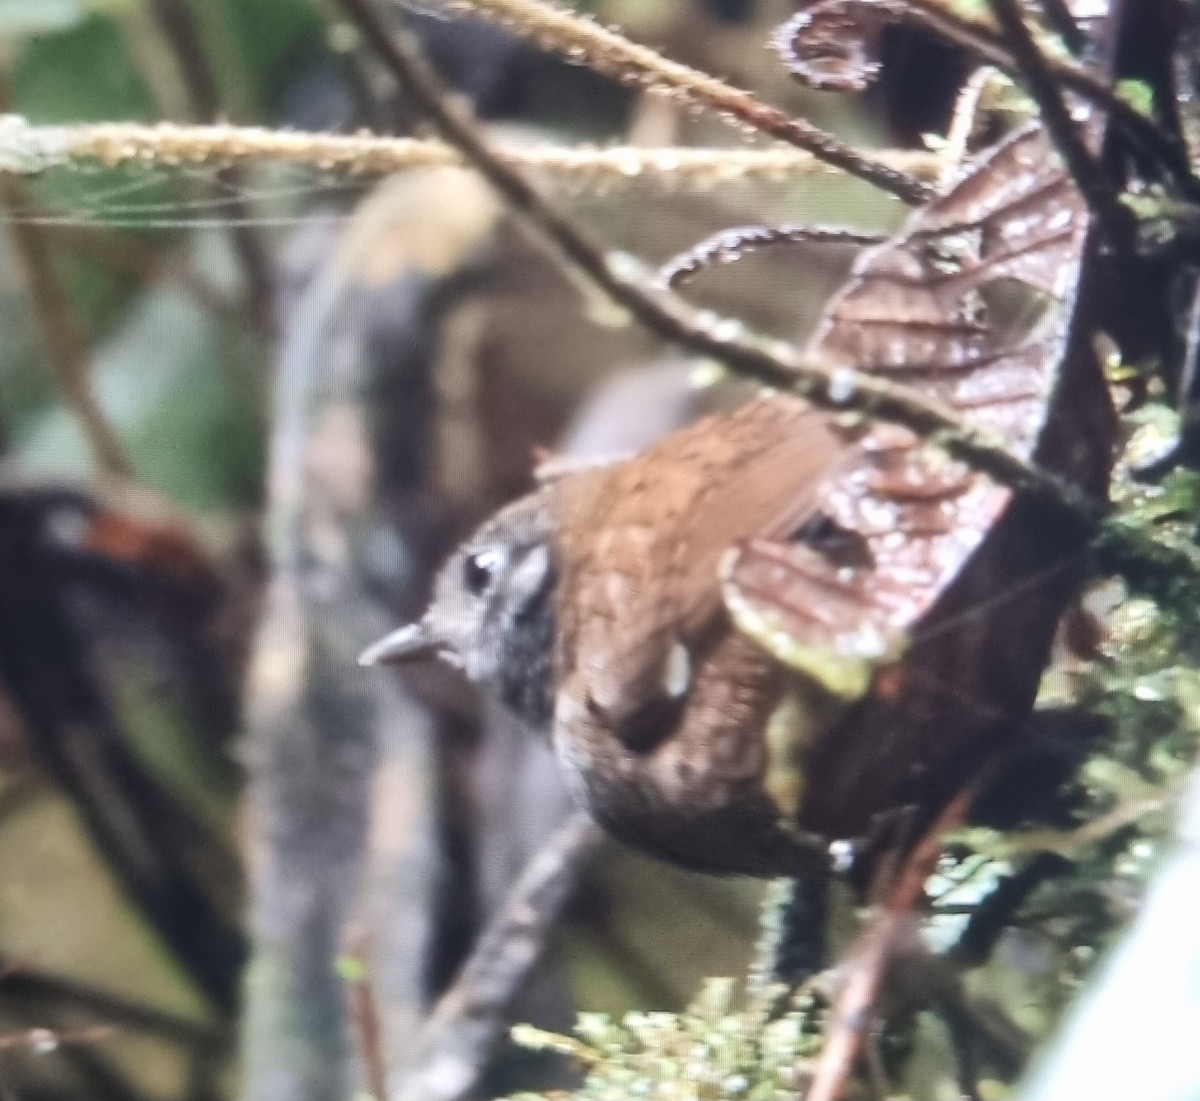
(480, 569)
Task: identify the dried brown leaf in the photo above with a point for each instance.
(833, 45)
(976, 301)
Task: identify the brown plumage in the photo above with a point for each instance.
(661, 704)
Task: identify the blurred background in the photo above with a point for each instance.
(243, 414)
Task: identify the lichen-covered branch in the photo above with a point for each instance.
(28, 149)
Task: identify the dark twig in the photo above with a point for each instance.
(979, 1027)
(470, 1018)
(1115, 219)
(986, 45)
(993, 914)
(177, 23)
(143, 833)
(866, 963)
(729, 245)
(611, 53)
(792, 943)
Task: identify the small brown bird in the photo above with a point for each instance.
(777, 628)
(766, 633)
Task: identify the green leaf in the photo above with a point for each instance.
(351, 969)
(80, 74)
(179, 386)
(1138, 94)
(275, 39)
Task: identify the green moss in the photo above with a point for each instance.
(713, 1050)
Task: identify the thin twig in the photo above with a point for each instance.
(1115, 219)
(470, 1018)
(364, 1014)
(726, 340)
(985, 44)
(1061, 20)
(49, 1039)
(867, 961)
(728, 245)
(26, 150)
(607, 51)
(177, 23)
(65, 341)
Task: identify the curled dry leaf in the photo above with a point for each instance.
(928, 593)
(833, 44)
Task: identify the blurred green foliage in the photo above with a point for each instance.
(189, 402)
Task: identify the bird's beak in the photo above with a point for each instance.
(412, 643)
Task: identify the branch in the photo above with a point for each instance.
(471, 1016)
(49, 1039)
(26, 149)
(606, 51)
(1061, 20)
(364, 1015)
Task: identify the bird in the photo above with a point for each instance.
(738, 674)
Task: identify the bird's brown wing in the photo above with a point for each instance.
(647, 538)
